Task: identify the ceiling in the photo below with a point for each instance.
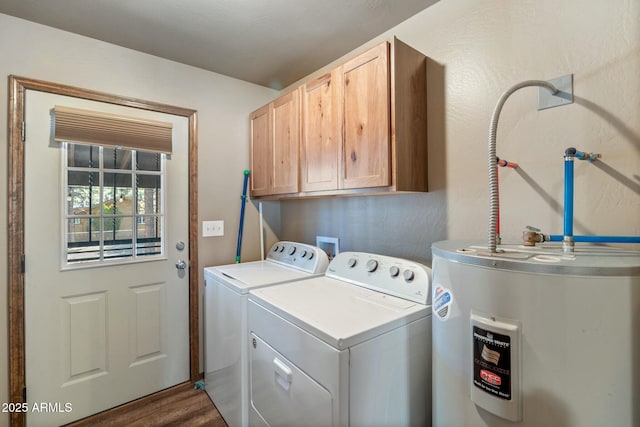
(272, 43)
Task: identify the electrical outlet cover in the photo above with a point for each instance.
(212, 228)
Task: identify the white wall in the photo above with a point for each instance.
(480, 48)
(223, 104)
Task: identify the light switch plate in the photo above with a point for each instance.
(212, 228)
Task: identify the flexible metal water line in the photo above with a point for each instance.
(493, 180)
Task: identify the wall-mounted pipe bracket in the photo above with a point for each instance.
(564, 96)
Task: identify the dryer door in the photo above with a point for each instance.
(281, 394)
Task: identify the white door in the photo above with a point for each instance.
(106, 308)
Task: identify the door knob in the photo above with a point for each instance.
(181, 265)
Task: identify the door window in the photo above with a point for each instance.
(114, 210)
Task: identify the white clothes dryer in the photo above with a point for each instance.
(351, 348)
(225, 319)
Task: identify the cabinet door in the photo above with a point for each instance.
(366, 99)
(320, 146)
(285, 143)
(260, 152)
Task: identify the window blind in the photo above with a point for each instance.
(112, 130)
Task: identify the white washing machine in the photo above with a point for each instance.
(352, 348)
(225, 318)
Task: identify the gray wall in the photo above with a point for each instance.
(402, 225)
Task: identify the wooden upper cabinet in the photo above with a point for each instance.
(362, 129)
(275, 140)
(285, 143)
(408, 118)
(365, 92)
(321, 125)
(260, 152)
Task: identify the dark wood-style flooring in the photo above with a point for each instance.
(179, 406)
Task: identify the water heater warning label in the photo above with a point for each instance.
(492, 362)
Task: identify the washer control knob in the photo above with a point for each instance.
(372, 264)
(292, 250)
(394, 271)
(276, 248)
(408, 275)
(282, 248)
(304, 253)
(311, 255)
(351, 262)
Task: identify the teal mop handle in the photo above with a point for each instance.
(241, 226)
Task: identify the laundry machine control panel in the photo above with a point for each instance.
(299, 255)
(393, 276)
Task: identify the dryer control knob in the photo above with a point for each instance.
(304, 253)
(372, 265)
(351, 262)
(394, 271)
(292, 250)
(408, 275)
(276, 248)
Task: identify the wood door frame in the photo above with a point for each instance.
(15, 233)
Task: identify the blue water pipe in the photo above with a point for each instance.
(241, 226)
(597, 239)
(568, 239)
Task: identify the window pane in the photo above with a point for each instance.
(148, 161)
(117, 194)
(148, 227)
(83, 240)
(83, 156)
(148, 236)
(148, 199)
(83, 192)
(79, 231)
(114, 249)
(118, 227)
(116, 158)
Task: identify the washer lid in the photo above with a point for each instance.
(340, 314)
(250, 275)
